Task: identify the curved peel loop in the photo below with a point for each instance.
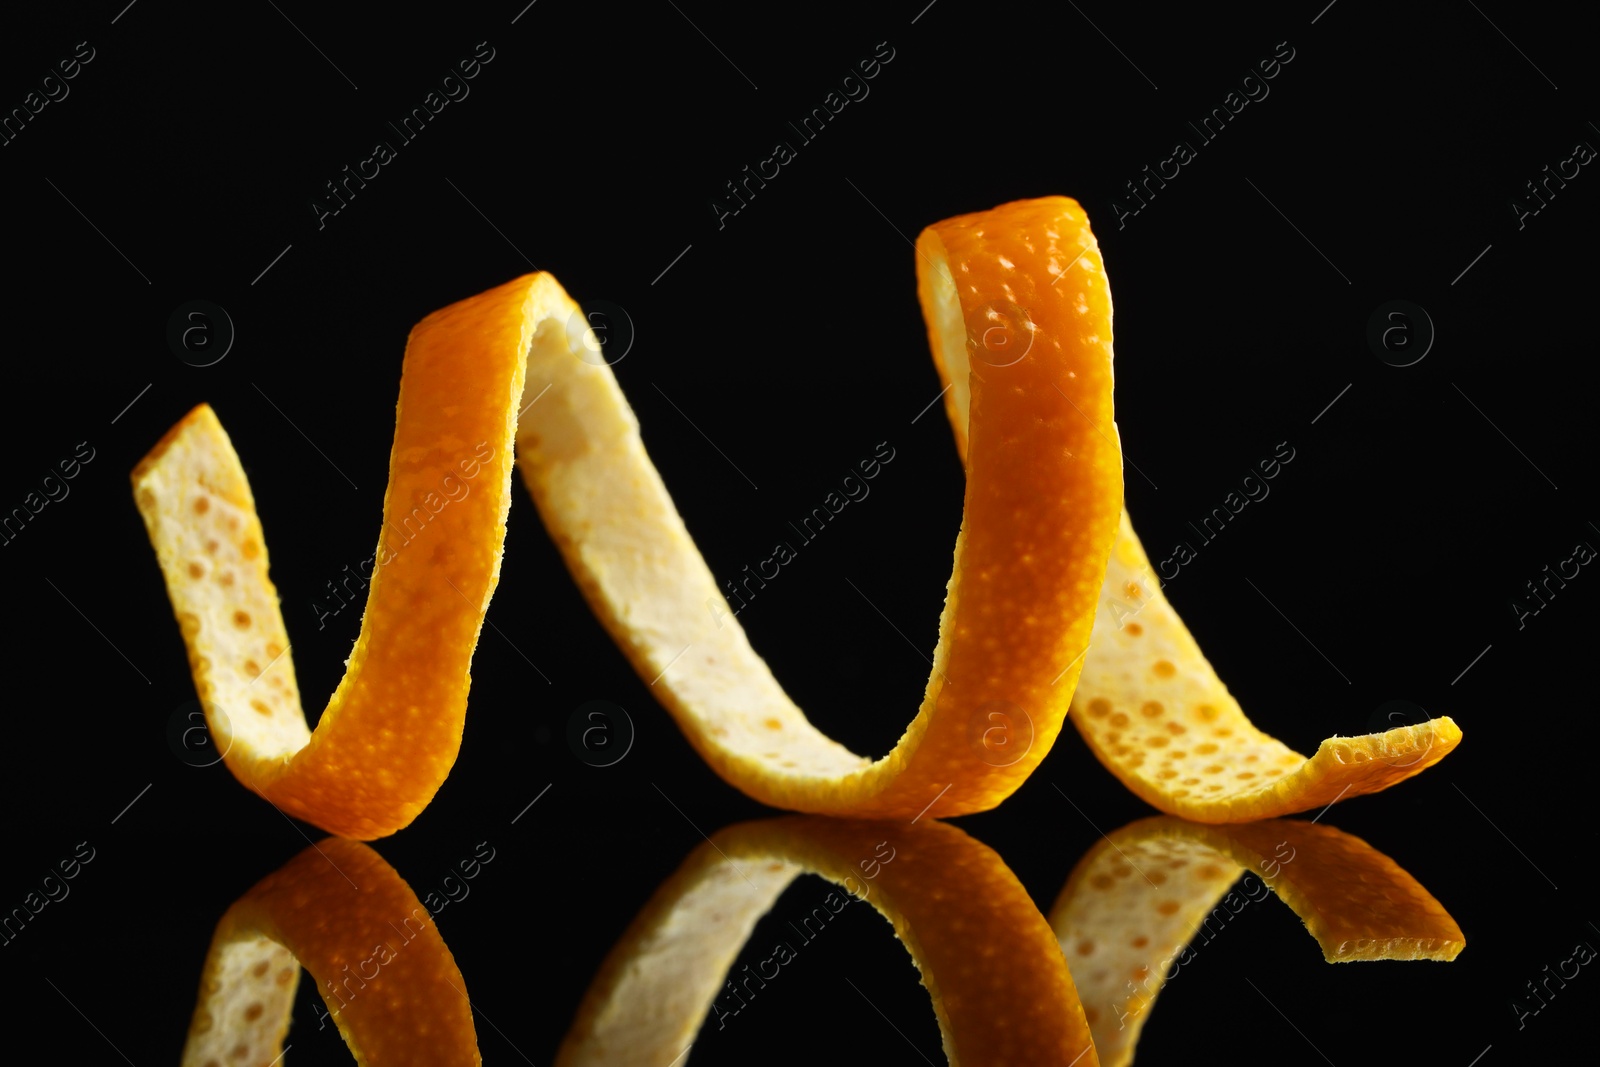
(389, 981)
(1044, 489)
(953, 902)
(1132, 912)
(392, 729)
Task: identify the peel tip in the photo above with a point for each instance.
(199, 415)
(1064, 205)
(1446, 726)
(526, 282)
(1437, 950)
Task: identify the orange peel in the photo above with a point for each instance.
(384, 971)
(1000, 987)
(1044, 490)
(1040, 567)
(1149, 704)
(1139, 900)
(393, 726)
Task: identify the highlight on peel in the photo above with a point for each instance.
(392, 728)
(1044, 490)
(1138, 902)
(1000, 988)
(1155, 713)
(389, 982)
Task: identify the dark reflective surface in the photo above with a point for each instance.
(1387, 162)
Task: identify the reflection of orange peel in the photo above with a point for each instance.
(1148, 702)
(1044, 490)
(1134, 908)
(1000, 987)
(393, 727)
(388, 979)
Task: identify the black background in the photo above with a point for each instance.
(185, 160)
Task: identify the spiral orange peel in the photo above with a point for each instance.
(1038, 594)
